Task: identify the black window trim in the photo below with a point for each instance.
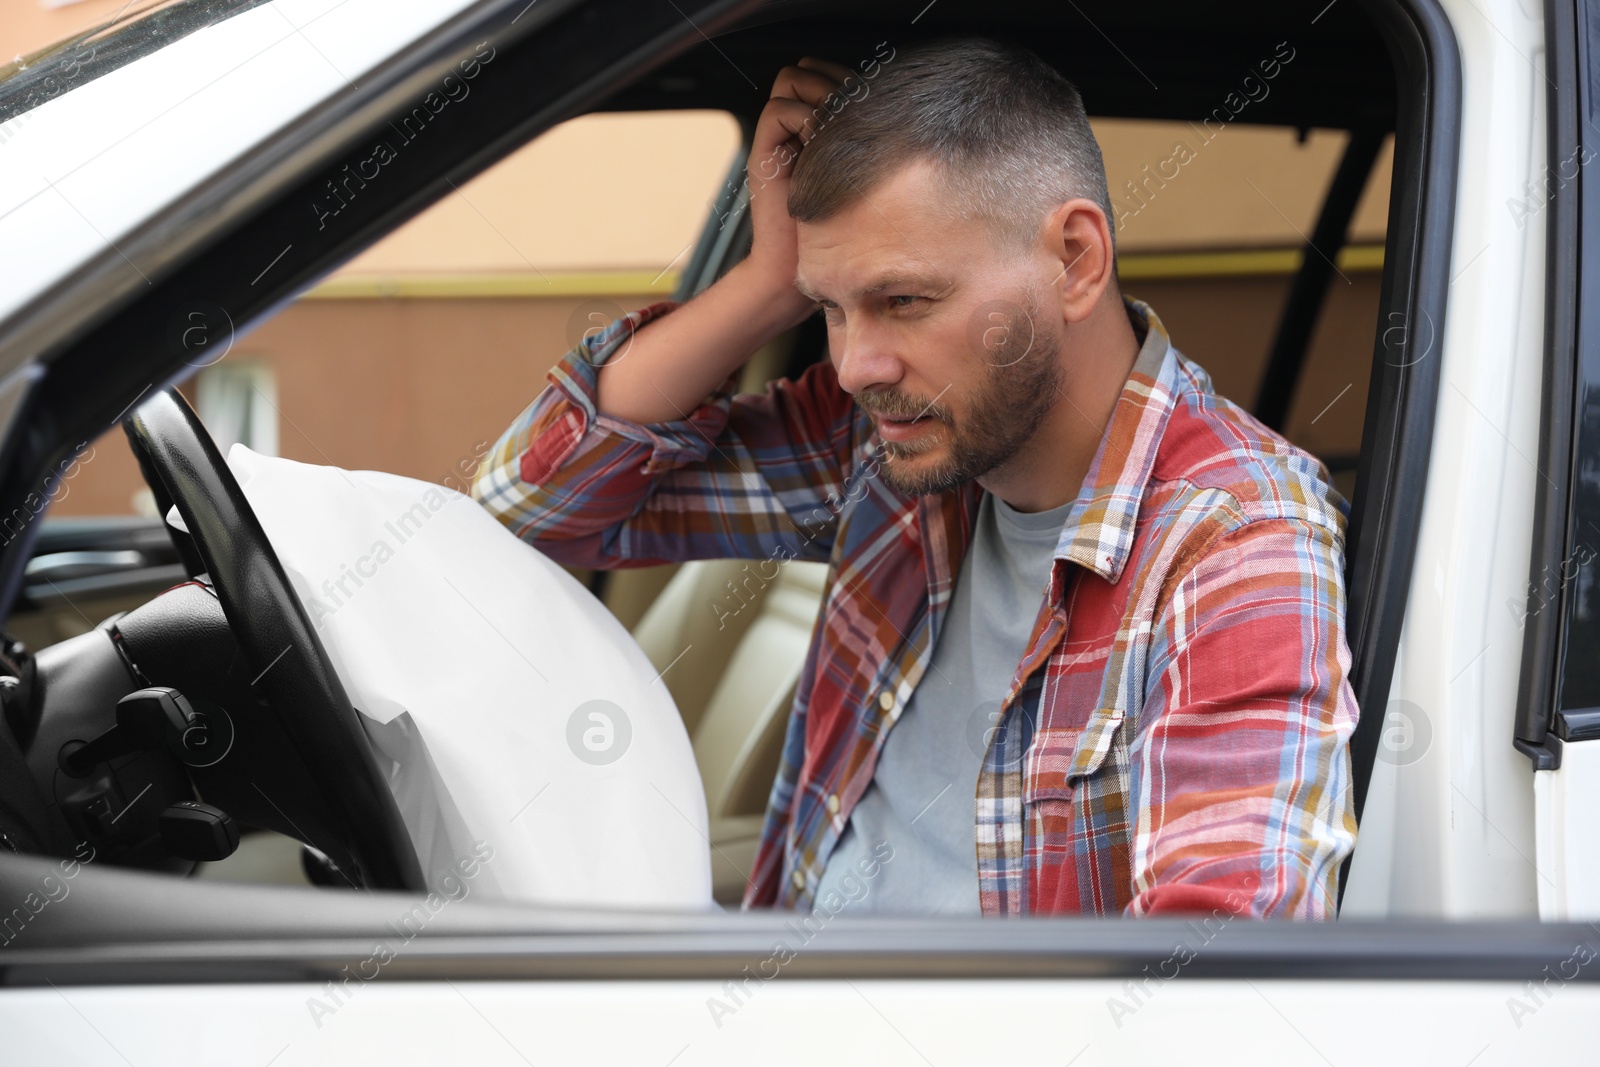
(1397, 435)
(128, 928)
(1540, 728)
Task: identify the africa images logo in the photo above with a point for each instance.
(599, 732)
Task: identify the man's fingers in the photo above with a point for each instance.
(784, 127)
(798, 107)
(837, 71)
(798, 83)
(783, 120)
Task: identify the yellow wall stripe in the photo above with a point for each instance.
(1147, 266)
(1137, 266)
(521, 284)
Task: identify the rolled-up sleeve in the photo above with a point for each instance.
(739, 476)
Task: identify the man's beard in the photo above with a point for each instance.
(1011, 404)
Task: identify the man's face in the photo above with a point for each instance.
(946, 341)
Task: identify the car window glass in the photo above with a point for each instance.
(409, 356)
(1580, 679)
(1179, 185)
(1210, 229)
(1572, 584)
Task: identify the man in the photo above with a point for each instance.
(1082, 647)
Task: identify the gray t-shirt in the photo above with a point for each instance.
(922, 794)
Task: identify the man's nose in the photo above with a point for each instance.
(864, 358)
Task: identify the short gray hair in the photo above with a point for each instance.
(1007, 133)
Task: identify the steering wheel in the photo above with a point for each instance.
(183, 466)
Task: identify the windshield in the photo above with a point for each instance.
(31, 80)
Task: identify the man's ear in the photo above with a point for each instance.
(1078, 235)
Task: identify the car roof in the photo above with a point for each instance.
(1190, 57)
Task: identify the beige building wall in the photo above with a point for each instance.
(562, 203)
(607, 192)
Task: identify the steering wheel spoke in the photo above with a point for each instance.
(288, 664)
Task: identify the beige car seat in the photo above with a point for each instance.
(732, 645)
(731, 638)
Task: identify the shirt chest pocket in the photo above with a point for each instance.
(1062, 759)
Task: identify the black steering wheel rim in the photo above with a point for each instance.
(276, 638)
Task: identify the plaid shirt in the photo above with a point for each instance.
(1175, 737)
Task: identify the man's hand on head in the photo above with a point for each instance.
(790, 119)
(672, 366)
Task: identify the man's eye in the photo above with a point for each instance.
(903, 301)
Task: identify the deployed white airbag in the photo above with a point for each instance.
(509, 705)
